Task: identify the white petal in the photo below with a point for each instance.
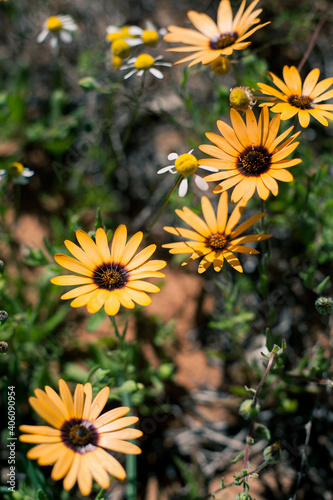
(54, 42)
(27, 172)
(210, 169)
(183, 187)
(203, 185)
(42, 35)
(135, 30)
(133, 42)
(173, 156)
(112, 29)
(130, 74)
(163, 170)
(70, 26)
(166, 64)
(140, 72)
(65, 37)
(190, 152)
(157, 73)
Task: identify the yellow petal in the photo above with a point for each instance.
(102, 244)
(72, 264)
(203, 23)
(67, 398)
(233, 261)
(70, 280)
(130, 248)
(110, 464)
(118, 243)
(111, 416)
(63, 464)
(80, 290)
(112, 305)
(209, 214)
(140, 298)
(98, 403)
(97, 300)
(118, 445)
(89, 247)
(141, 258)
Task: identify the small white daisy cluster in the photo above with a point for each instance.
(124, 38)
(186, 165)
(57, 28)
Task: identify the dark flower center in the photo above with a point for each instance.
(254, 161)
(77, 434)
(110, 276)
(300, 101)
(223, 41)
(217, 241)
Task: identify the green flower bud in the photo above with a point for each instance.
(272, 453)
(247, 410)
(129, 386)
(324, 305)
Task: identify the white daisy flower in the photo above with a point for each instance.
(148, 36)
(17, 173)
(186, 165)
(145, 62)
(58, 27)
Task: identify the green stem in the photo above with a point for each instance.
(131, 464)
(164, 205)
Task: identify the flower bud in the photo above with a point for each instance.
(221, 66)
(3, 317)
(3, 347)
(272, 453)
(241, 98)
(324, 305)
(247, 410)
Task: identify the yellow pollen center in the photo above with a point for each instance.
(144, 61)
(217, 241)
(241, 98)
(79, 435)
(150, 37)
(300, 101)
(15, 169)
(120, 48)
(222, 41)
(54, 24)
(186, 164)
(111, 277)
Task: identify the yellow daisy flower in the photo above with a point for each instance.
(75, 442)
(294, 99)
(250, 156)
(213, 40)
(214, 238)
(109, 278)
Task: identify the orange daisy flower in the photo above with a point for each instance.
(214, 238)
(213, 40)
(75, 442)
(292, 98)
(109, 278)
(250, 155)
